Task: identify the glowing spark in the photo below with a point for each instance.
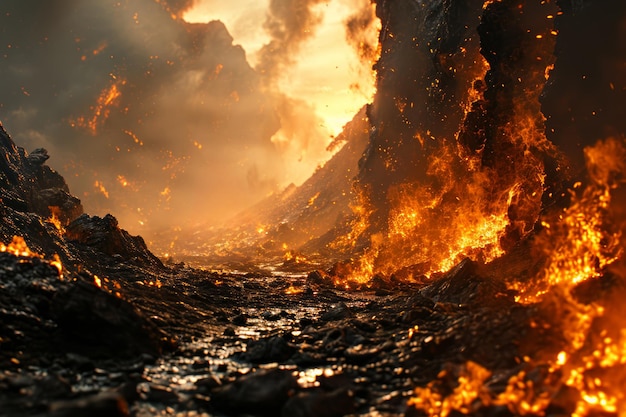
(134, 137)
(100, 187)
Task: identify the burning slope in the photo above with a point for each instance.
(479, 130)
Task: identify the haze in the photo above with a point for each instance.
(164, 123)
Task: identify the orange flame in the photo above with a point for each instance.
(54, 218)
(19, 247)
(102, 109)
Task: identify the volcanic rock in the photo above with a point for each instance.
(26, 179)
(273, 349)
(263, 392)
(105, 235)
(319, 403)
(97, 323)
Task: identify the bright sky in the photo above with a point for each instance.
(326, 67)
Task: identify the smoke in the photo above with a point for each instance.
(289, 23)
(362, 29)
(161, 122)
(155, 120)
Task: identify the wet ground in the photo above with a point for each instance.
(270, 344)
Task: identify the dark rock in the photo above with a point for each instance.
(208, 383)
(105, 235)
(94, 322)
(263, 392)
(55, 201)
(269, 316)
(106, 404)
(240, 320)
(273, 349)
(318, 278)
(463, 285)
(360, 354)
(162, 394)
(305, 321)
(337, 312)
(318, 403)
(38, 157)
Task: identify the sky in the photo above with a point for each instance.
(172, 113)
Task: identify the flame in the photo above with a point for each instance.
(579, 246)
(19, 247)
(293, 256)
(54, 218)
(102, 109)
(97, 281)
(291, 290)
(470, 388)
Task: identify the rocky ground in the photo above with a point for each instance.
(180, 341)
(92, 323)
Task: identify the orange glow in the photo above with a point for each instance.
(18, 247)
(100, 112)
(335, 98)
(291, 290)
(97, 281)
(56, 262)
(54, 218)
(100, 187)
(134, 137)
(470, 389)
(99, 49)
(122, 181)
(579, 245)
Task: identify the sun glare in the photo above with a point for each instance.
(327, 73)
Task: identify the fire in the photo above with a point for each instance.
(19, 247)
(54, 218)
(102, 109)
(463, 397)
(97, 281)
(580, 244)
(291, 290)
(293, 256)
